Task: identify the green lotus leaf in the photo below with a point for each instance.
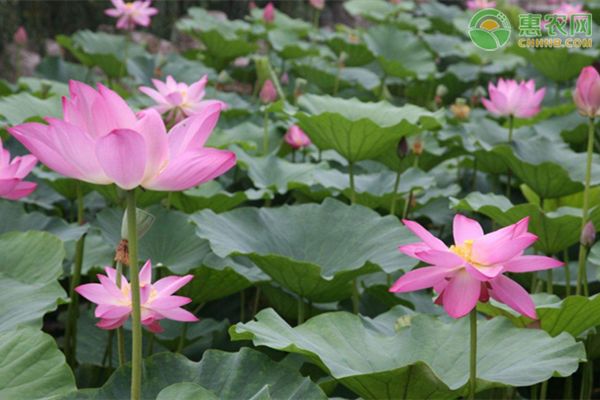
(210, 195)
(278, 175)
(574, 314)
(356, 53)
(22, 107)
(560, 64)
(227, 375)
(32, 367)
(313, 250)
(30, 266)
(104, 50)
(358, 130)
(548, 167)
(391, 47)
(427, 358)
(324, 75)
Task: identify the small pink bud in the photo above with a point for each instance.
(252, 6)
(268, 94)
(587, 92)
(296, 138)
(285, 79)
(20, 36)
(269, 13)
(318, 4)
(588, 234)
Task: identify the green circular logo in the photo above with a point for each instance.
(489, 29)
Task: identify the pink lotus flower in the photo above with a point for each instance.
(132, 13)
(472, 268)
(296, 138)
(20, 36)
(479, 4)
(12, 173)
(269, 13)
(157, 299)
(177, 98)
(100, 140)
(317, 4)
(569, 9)
(268, 94)
(587, 92)
(588, 234)
(512, 98)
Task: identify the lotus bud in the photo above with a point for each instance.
(317, 4)
(269, 13)
(268, 94)
(402, 148)
(588, 234)
(587, 92)
(460, 109)
(20, 36)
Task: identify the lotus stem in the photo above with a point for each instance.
(317, 15)
(395, 194)
(567, 273)
(256, 302)
(355, 297)
(550, 281)
(473, 358)
(182, 338)
(120, 333)
(300, 311)
(543, 390)
(409, 197)
(294, 155)
(136, 324)
(382, 87)
(73, 310)
(581, 271)
(242, 306)
(352, 189)
(511, 120)
(266, 133)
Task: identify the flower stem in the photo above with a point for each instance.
(473, 359)
(581, 271)
(352, 190)
(73, 311)
(136, 325)
(120, 334)
(567, 273)
(510, 136)
(382, 87)
(395, 194)
(266, 133)
(300, 310)
(355, 297)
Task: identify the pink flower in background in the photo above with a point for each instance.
(269, 13)
(569, 9)
(157, 299)
(510, 97)
(12, 173)
(132, 13)
(268, 94)
(479, 4)
(318, 4)
(587, 92)
(177, 98)
(472, 268)
(588, 234)
(20, 36)
(101, 140)
(296, 138)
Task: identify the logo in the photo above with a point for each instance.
(489, 29)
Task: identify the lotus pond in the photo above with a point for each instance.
(318, 199)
